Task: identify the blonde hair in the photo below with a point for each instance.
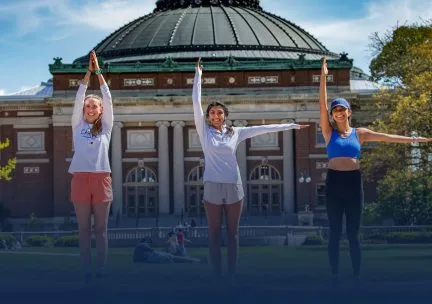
(97, 126)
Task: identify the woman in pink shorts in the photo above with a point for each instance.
(91, 186)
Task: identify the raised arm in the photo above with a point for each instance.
(367, 135)
(248, 132)
(108, 113)
(326, 128)
(196, 99)
(77, 114)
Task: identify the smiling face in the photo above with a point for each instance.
(92, 109)
(340, 114)
(216, 116)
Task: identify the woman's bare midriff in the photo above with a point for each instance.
(344, 164)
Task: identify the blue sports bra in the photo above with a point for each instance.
(344, 147)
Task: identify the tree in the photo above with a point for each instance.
(398, 49)
(6, 171)
(404, 191)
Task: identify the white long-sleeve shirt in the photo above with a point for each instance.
(220, 147)
(91, 152)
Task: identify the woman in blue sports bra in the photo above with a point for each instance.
(344, 186)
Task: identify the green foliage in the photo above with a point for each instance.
(371, 215)
(396, 50)
(6, 170)
(40, 241)
(406, 196)
(404, 191)
(379, 238)
(67, 241)
(10, 239)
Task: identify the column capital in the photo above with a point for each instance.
(240, 123)
(178, 123)
(288, 120)
(118, 124)
(162, 123)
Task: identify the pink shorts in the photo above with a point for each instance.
(91, 187)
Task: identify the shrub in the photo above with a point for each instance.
(313, 240)
(67, 241)
(10, 240)
(40, 241)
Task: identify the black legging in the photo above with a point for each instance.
(344, 191)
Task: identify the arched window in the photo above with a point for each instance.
(141, 192)
(194, 192)
(265, 191)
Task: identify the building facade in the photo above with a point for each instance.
(264, 68)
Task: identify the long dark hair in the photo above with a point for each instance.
(97, 125)
(226, 113)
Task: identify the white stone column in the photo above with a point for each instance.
(117, 169)
(163, 168)
(178, 166)
(288, 170)
(242, 161)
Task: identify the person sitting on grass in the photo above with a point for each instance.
(145, 253)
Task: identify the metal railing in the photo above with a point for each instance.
(201, 233)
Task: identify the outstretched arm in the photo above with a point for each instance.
(326, 128)
(108, 113)
(367, 135)
(77, 114)
(196, 99)
(248, 132)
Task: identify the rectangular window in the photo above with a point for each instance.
(320, 194)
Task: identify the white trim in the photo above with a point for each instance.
(271, 157)
(139, 150)
(192, 159)
(32, 160)
(264, 149)
(31, 126)
(317, 156)
(26, 121)
(30, 152)
(31, 113)
(136, 159)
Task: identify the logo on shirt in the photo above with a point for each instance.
(86, 133)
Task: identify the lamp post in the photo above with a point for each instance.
(305, 178)
(141, 168)
(305, 216)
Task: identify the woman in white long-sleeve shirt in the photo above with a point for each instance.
(91, 186)
(223, 188)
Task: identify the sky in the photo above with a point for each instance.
(33, 32)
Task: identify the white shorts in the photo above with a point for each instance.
(222, 193)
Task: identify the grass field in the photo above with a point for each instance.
(259, 265)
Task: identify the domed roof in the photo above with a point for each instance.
(186, 29)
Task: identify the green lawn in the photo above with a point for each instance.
(257, 264)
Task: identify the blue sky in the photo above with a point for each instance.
(35, 31)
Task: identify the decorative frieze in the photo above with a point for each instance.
(193, 139)
(140, 141)
(31, 170)
(263, 79)
(205, 80)
(74, 83)
(267, 141)
(138, 82)
(316, 78)
(321, 165)
(30, 142)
